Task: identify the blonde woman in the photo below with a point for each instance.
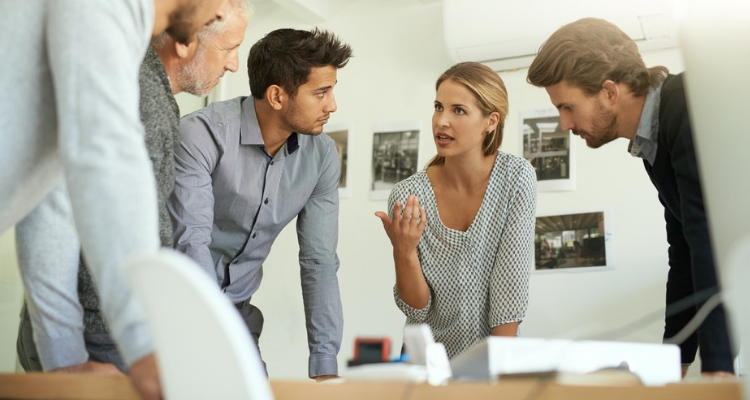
(462, 229)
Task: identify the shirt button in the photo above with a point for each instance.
(254, 234)
(271, 162)
(266, 201)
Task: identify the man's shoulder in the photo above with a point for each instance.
(673, 89)
(321, 144)
(674, 116)
(215, 115)
(324, 140)
(673, 103)
(219, 109)
(153, 81)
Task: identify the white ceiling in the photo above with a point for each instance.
(315, 11)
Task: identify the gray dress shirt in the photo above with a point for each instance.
(231, 200)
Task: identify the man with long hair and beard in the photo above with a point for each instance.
(596, 78)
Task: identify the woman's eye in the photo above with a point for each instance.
(460, 111)
(438, 107)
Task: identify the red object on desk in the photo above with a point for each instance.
(372, 349)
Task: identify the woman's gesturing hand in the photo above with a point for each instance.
(407, 225)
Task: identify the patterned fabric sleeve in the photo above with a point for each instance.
(509, 283)
(399, 193)
(415, 315)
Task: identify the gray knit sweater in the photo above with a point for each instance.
(161, 119)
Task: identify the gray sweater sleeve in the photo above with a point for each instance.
(48, 253)
(95, 50)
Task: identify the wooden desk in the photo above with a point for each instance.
(85, 387)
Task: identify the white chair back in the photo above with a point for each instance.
(203, 348)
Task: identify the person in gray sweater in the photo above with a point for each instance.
(191, 66)
(70, 111)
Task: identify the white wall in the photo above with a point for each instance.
(398, 48)
(398, 55)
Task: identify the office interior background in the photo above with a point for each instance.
(399, 51)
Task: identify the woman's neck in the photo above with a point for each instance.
(465, 174)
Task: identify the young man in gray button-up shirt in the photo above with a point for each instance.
(246, 167)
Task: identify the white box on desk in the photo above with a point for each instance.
(654, 364)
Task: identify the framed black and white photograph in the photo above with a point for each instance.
(395, 155)
(549, 149)
(340, 133)
(573, 242)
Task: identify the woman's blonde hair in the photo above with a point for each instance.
(491, 96)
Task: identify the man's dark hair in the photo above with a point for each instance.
(285, 57)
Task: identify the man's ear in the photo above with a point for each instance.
(611, 91)
(276, 97)
(185, 50)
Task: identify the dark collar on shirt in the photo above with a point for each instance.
(292, 144)
(250, 129)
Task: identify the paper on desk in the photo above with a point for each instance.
(654, 364)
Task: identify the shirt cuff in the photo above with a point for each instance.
(323, 365)
(61, 351)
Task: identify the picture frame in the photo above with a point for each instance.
(340, 132)
(574, 241)
(395, 155)
(549, 149)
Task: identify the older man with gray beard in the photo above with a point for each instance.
(196, 68)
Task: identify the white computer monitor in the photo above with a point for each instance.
(715, 43)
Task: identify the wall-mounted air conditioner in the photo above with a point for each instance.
(506, 34)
